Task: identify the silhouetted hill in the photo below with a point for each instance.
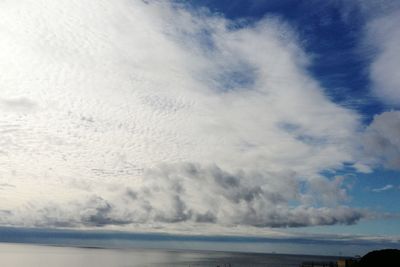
(377, 258)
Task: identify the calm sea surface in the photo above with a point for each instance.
(23, 255)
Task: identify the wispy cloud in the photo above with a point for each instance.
(382, 189)
(384, 35)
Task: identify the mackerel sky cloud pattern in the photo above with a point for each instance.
(147, 115)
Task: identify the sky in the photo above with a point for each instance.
(268, 119)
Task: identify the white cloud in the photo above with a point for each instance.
(17, 105)
(381, 141)
(382, 189)
(384, 35)
(127, 92)
(370, 9)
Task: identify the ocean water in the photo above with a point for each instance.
(24, 255)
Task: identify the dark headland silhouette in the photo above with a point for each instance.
(377, 258)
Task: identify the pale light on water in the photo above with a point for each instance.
(23, 255)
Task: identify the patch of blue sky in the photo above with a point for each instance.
(363, 188)
(299, 134)
(289, 127)
(329, 33)
(242, 76)
(346, 170)
(204, 38)
(311, 140)
(364, 195)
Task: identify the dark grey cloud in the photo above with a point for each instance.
(207, 217)
(241, 198)
(197, 194)
(94, 211)
(98, 212)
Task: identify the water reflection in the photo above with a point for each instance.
(23, 255)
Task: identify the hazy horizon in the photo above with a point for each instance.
(347, 246)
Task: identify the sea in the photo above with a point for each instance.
(30, 255)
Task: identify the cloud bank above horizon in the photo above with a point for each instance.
(149, 115)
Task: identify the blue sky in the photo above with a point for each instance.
(326, 31)
(267, 119)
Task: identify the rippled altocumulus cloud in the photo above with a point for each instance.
(135, 113)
